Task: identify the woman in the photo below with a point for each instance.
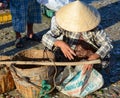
(74, 28)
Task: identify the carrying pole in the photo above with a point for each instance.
(45, 63)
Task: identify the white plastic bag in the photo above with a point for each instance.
(42, 1)
(78, 85)
(54, 4)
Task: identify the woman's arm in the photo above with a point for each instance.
(52, 35)
(104, 42)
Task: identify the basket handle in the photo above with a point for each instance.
(45, 52)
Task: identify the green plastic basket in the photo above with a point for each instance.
(48, 12)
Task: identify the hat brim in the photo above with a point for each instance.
(78, 17)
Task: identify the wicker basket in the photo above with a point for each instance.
(33, 55)
(28, 78)
(5, 58)
(6, 79)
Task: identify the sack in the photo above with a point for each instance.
(54, 4)
(6, 80)
(84, 49)
(74, 84)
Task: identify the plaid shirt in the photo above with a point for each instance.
(96, 37)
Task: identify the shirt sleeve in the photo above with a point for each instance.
(52, 35)
(104, 42)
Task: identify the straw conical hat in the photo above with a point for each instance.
(77, 17)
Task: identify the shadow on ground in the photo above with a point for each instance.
(27, 45)
(89, 1)
(6, 25)
(110, 14)
(113, 74)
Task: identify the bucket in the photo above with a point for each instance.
(6, 79)
(28, 78)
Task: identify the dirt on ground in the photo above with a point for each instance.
(110, 14)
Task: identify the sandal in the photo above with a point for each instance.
(34, 38)
(19, 43)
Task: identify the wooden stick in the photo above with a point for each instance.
(50, 63)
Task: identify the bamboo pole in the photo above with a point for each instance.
(98, 61)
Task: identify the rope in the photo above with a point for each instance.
(46, 87)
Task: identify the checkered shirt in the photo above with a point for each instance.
(97, 37)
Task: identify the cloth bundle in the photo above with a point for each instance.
(84, 49)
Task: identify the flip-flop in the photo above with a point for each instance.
(19, 43)
(34, 38)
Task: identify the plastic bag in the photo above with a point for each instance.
(78, 85)
(54, 4)
(42, 1)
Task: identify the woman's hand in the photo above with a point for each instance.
(90, 66)
(67, 51)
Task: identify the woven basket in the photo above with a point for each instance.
(28, 78)
(4, 58)
(6, 79)
(33, 55)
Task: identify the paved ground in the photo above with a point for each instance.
(110, 13)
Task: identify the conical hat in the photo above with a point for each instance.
(77, 17)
